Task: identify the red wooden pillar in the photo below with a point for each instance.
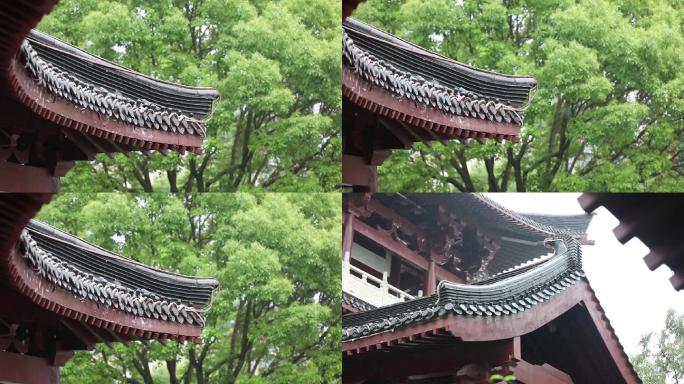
(517, 348)
(358, 174)
(347, 236)
(430, 282)
(348, 7)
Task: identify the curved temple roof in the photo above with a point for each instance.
(576, 224)
(61, 105)
(419, 75)
(113, 91)
(522, 235)
(504, 295)
(93, 274)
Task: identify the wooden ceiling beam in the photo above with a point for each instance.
(402, 251)
(418, 137)
(398, 132)
(79, 332)
(78, 139)
(97, 336)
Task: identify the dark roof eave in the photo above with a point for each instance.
(51, 41)
(41, 227)
(477, 72)
(518, 291)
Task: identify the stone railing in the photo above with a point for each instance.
(374, 291)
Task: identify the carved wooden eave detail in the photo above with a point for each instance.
(438, 242)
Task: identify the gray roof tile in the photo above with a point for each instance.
(424, 77)
(115, 92)
(92, 273)
(517, 291)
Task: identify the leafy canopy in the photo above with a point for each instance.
(276, 63)
(608, 114)
(661, 360)
(276, 316)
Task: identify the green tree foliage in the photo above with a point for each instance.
(608, 114)
(276, 63)
(661, 360)
(276, 316)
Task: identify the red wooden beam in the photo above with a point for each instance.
(402, 251)
(399, 132)
(608, 336)
(356, 172)
(16, 368)
(25, 178)
(79, 333)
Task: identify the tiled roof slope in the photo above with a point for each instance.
(94, 274)
(114, 91)
(410, 71)
(532, 227)
(518, 291)
(355, 302)
(577, 224)
(478, 204)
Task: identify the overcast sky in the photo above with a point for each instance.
(634, 298)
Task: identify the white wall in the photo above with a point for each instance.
(371, 259)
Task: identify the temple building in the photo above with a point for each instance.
(60, 294)
(455, 288)
(653, 218)
(396, 94)
(59, 104)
